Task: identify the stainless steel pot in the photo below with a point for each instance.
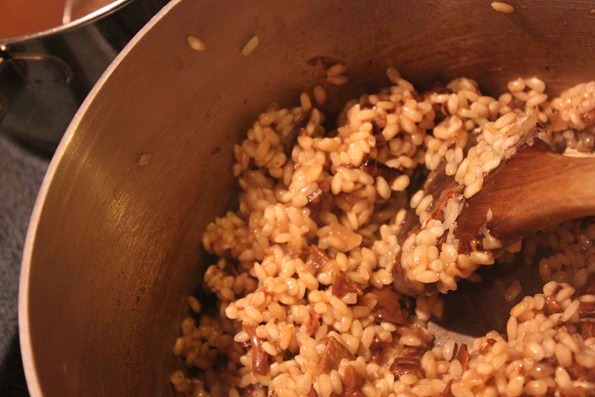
(114, 243)
(45, 75)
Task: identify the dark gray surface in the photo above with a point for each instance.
(21, 173)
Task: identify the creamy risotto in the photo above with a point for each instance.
(304, 291)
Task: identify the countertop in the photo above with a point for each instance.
(21, 174)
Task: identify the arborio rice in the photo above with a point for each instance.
(306, 303)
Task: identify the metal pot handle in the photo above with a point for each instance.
(13, 74)
(61, 65)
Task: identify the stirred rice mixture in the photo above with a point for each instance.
(306, 300)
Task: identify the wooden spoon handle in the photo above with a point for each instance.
(536, 188)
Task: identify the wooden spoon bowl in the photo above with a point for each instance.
(532, 190)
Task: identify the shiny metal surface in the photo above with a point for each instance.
(82, 49)
(74, 16)
(114, 242)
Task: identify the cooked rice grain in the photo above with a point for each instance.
(502, 7)
(195, 43)
(250, 46)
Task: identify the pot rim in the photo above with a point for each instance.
(28, 357)
(89, 18)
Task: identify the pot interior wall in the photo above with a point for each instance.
(147, 161)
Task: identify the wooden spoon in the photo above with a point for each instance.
(533, 189)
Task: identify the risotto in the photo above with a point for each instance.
(306, 296)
